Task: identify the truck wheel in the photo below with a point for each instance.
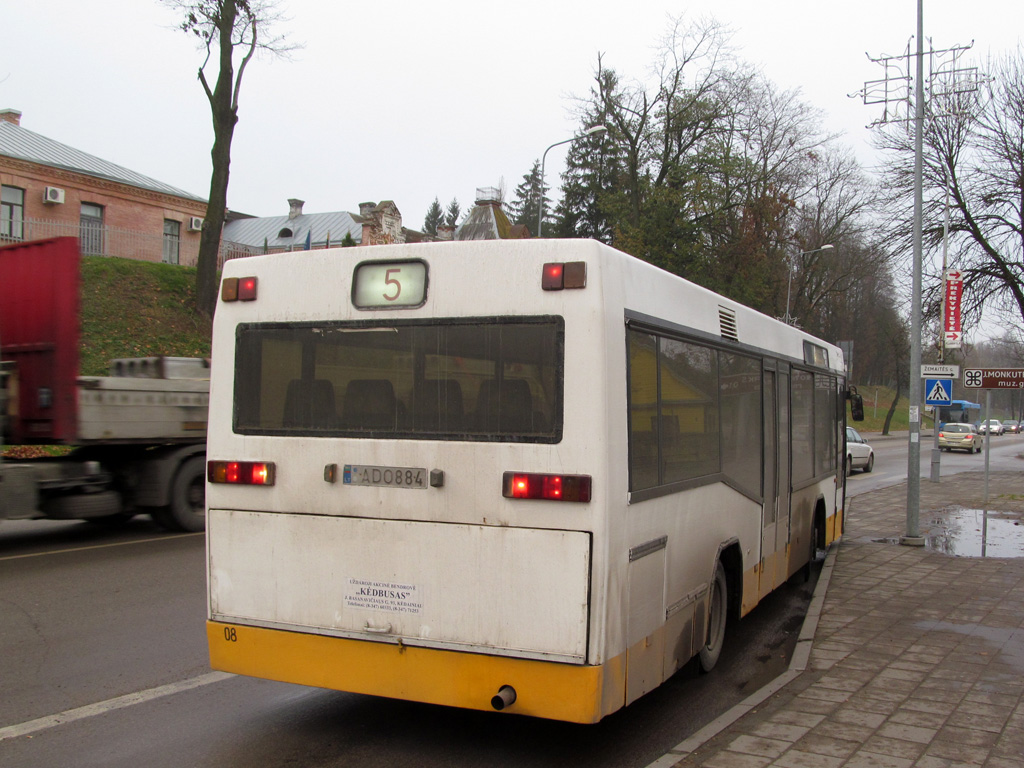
(83, 506)
(187, 510)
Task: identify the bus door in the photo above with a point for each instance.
(775, 481)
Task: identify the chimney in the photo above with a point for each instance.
(295, 208)
(366, 209)
(12, 116)
(445, 232)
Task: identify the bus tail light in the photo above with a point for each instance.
(571, 274)
(532, 485)
(240, 472)
(238, 289)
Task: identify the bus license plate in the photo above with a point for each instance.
(386, 477)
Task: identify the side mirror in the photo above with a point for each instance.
(856, 404)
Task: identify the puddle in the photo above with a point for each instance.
(963, 532)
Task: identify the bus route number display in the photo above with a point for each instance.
(386, 284)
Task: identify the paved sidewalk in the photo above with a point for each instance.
(909, 657)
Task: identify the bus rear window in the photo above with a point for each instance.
(471, 378)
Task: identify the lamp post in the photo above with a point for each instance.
(540, 202)
(787, 318)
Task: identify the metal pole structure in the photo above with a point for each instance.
(913, 536)
(543, 159)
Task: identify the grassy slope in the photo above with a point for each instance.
(138, 309)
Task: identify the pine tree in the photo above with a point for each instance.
(524, 209)
(591, 169)
(452, 217)
(435, 216)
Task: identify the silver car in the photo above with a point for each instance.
(960, 437)
(992, 427)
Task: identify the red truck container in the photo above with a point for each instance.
(139, 435)
(39, 303)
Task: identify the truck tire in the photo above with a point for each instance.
(83, 506)
(187, 510)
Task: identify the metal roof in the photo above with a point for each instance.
(23, 144)
(255, 232)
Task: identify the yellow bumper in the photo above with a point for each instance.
(574, 693)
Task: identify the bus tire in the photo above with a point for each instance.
(187, 510)
(718, 612)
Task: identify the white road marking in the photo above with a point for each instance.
(102, 546)
(102, 707)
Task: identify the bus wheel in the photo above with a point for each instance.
(187, 510)
(718, 611)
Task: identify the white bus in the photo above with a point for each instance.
(531, 476)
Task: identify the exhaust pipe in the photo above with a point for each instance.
(505, 697)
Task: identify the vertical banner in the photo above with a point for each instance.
(954, 280)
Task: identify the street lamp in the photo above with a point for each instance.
(788, 318)
(540, 204)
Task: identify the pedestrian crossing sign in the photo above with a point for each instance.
(938, 391)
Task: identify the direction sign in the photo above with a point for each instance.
(954, 280)
(994, 378)
(938, 392)
(940, 371)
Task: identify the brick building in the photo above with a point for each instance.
(48, 189)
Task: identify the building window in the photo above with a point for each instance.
(12, 213)
(91, 229)
(172, 239)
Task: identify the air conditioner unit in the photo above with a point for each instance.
(53, 195)
(195, 224)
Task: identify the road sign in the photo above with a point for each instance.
(954, 280)
(994, 378)
(938, 392)
(940, 371)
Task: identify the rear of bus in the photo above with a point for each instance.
(408, 453)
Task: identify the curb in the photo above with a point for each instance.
(797, 665)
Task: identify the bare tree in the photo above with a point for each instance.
(974, 151)
(224, 29)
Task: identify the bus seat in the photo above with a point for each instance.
(437, 405)
(309, 404)
(506, 406)
(370, 404)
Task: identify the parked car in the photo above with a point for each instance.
(960, 437)
(1012, 426)
(991, 427)
(859, 455)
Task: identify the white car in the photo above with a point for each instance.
(859, 455)
(991, 427)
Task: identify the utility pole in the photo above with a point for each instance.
(894, 93)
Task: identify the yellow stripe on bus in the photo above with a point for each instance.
(575, 693)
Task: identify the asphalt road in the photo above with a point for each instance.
(103, 662)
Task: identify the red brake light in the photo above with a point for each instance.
(532, 485)
(571, 274)
(247, 288)
(552, 279)
(240, 472)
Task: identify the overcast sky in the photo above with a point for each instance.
(408, 100)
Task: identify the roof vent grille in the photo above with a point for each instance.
(727, 323)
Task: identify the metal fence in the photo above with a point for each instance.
(103, 240)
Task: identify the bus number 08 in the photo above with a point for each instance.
(231, 634)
